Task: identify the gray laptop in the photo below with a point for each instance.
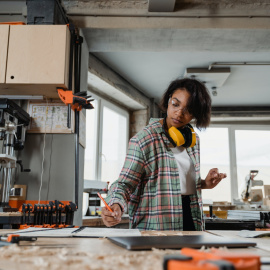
(178, 242)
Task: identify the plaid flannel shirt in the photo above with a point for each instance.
(149, 183)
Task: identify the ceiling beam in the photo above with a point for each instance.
(177, 40)
(102, 80)
(161, 5)
(187, 8)
(240, 115)
(241, 110)
(119, 22)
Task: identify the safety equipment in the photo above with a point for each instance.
(184, 136)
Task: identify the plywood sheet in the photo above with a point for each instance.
(47, 90)
(4, 32)
(38, 54)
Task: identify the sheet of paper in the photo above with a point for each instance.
(46, 232)
(106, 232)
(78, 232)
(254, 234)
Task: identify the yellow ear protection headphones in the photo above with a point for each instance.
(185, 136)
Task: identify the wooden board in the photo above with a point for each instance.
(4, 32)
(38, 60)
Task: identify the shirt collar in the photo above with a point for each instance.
(157, 126)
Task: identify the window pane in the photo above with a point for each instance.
(214, 146)
(89, 154)
(253, 153)
(114, 144)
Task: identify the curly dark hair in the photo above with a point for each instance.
(199, 104)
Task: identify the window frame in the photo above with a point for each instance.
(98, 124)
(232, 150)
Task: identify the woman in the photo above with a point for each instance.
(160, 182)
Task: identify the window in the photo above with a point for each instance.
(114, 143)
(106, 141)
(234, 150)
(253, 153)
(214, 146)
(90, 150)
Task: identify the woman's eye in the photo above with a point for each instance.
(175, 104)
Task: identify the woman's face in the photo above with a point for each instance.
(177, 113)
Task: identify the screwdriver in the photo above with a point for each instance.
(16, 238)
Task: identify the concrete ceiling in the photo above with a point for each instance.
(152, 71)
(150, 49)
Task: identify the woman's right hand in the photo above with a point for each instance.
(111, 218)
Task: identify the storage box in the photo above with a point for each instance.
(38, 60)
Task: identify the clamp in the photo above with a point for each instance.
(77, 101)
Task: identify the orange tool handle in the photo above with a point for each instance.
(240, 260)
(11, 237)
(65, 96)
(191, 259)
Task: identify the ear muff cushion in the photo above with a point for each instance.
(177, 136)
(187, 135)
(193, 141)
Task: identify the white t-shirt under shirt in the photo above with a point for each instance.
(186, 171)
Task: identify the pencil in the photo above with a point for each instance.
(106, 205)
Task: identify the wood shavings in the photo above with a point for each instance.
(161, 234)
(36, 258)
(209, 249)
(203, 248)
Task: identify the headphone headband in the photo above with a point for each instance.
(166, 133)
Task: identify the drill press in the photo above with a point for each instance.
(13, 123)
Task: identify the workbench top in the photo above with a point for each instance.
(100, 253)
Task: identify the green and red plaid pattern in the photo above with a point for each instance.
(149, 183)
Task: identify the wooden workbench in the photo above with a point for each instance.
(99, 253)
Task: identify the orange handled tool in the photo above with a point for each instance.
(16, 238)
(77, 101)
(191, 259)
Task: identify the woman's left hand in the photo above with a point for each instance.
(212, 179)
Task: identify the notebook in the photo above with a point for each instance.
(178, 242)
